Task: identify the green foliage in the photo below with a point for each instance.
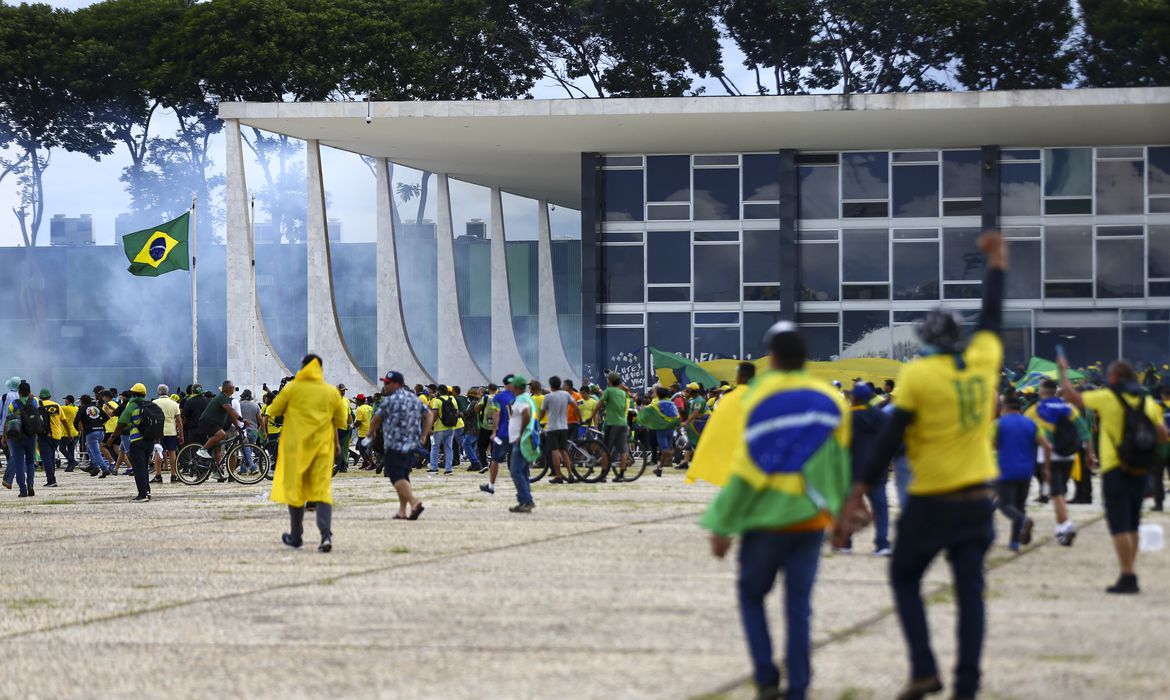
(1125, 43)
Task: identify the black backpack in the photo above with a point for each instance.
(448, 411)
(1138, 448)
(31, 420)
(1066, 439)
(150, 421)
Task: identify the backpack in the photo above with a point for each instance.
(31, 420)
(470, 415)
(150, 421)
(490, 412)
(448, 412)
(46, 417)
(1066, 439)
(1138, 448)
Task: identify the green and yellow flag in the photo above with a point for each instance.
(159, 250)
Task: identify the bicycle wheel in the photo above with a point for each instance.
(635, 467)
(238, 467)
(588, 460)
(538, 470)
(192, 469)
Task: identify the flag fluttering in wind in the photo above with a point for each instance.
(686, 370)
(158, 250)
(1040, 369)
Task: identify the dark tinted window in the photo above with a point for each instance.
(624, 351)
(755, 325)
(1159, 242)
(818, 272)
(1119, 187)
(823, 342)
(865, 255)
(865, 175)
(1023, 277)
(668, 294)
(1019, 186)
(668, 178)
(962, 259)
(668, 257)
(716, 343)
(916, 270)
(1119, 269)
(623, 195)
(1068, 253)
(863, 332)
(716, 273)
(622, 271)
(761, 256)
(1084, 346)
(761, 177)
(818, 193)
(1159, 170)
(716, 194)
(962, 174)
(1068, 172)
(916, 190)
(1145, 342)
(669, 331)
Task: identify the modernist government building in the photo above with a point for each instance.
(704, 220)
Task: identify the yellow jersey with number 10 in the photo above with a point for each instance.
(947, 442)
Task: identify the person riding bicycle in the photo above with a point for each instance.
(218, 415)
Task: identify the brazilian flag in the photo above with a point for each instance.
(159, 250)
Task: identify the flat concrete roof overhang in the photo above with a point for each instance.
(532, 147)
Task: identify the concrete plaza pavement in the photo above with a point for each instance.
(605, 591)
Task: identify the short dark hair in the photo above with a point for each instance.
(1048, 384)
(493, 387)
(789, 350)
(890, 383)
(1122, 370)
(1012, 403)
(24, 389)
(662, 392)
(309, 358)
(745, 371)
(554, 382)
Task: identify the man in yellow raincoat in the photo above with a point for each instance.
(308, 444)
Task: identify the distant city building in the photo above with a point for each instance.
(67, 230)
(477, 228)
(266, 232)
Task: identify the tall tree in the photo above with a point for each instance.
(1125, 43)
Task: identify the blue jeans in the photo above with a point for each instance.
(48, 450)
(761, 555)
(469, 440)
(518, 469)
(93, 445)
(881, 516)
(68, 448)
(446, 440)
(965, 530)
(22, 453)
(902, 479)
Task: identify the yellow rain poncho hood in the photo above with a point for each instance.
(312, 412)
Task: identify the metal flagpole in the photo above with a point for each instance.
(255, 301)
(194, 301)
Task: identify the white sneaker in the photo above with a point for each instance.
(883, 552)
(202, 453)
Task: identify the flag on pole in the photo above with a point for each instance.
(158, 250)
(684, 369)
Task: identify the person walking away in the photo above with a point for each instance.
(611, 416)
(710, 463)
(22, 425)
(52, 433)
(404, 424)
(554, 411)
(143, 422)
(944, 407)
(193, 407)
(362, 415)
(271, 426)
(788, 480)
(312, 415)
(461, 402)
(488, 412)
(1016, 438)
(695, 418)
(218, 416)
(68, 446)
(92, 426)
(12, 394)
(447, 420)
(521, 426)
(343, 435)
(1157, 475)
(250, 413)
(500, 446)
(1057, 420)
(1131, 430)
(660, 417)
(172, 433)
(471, 429)
(866, 423)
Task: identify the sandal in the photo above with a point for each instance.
(400, 516)
(557, 480)
(418, 510)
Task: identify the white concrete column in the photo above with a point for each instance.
(456, 365)
(553, 360)
(394, 349)
(506, 358)
(246, 336)
(325, 337)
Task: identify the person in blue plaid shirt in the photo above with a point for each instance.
(405, 424)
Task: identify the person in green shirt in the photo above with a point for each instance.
(612, 416)
(141, 449)
(697, 414)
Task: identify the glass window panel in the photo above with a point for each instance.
(911, 233)
(622, 271)
(962, 174)
(669, 331)
(717, 317)
(865, 210)
(916, 191)
(865, 292)
(1068, 172)
(1159, 242)
(1144, 343)
(624, 352)
(668, 294)
(761, 256)
(1160, 289)
(864, 334)
(622, 161)
(865, 175)
(1068, 253)
(822, 342)
(962, 208)
(963, 290)
(916, 270)
(916, 157)
(761, 292)
(621, 319)
(717, 160)
(1160, 205)
(717, 273)
(1119, 187)
(761, 211)
(818, 193)
(717, 194)
(1019, 154)
(865, 255)
(621, 237)
(1023, 276)
(1119, 266)
(816, 158)
(1112, 231)
(1160, 170)
(908, 316)
(816, 235)
(962, 259)
(716, 236)
(668, 179)
(755, 325)
(1128, 152)
(668, 212)
(716, 343)
(1019, 185)
(1022, 232)
(1068, 290)
(761, 177)
(1058, 207)
(812, 317)
(622, 195)
(1083, 346)
(818, 272)
(668, 257)
(1128, 315)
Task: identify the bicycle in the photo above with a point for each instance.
(592, 461)
(193, 469)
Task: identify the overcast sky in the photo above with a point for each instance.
(76, 184)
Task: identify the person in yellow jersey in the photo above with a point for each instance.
(447, 419)
(588, 403)
(270, 427)
(943, 411)
(1131, 429)
(54, 433)
(362, 416)
(68, 446)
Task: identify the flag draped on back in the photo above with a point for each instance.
(684, 369)
(652, 418)
(1040, 369)
(789, 456)
(158, 250)
(722, 435)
